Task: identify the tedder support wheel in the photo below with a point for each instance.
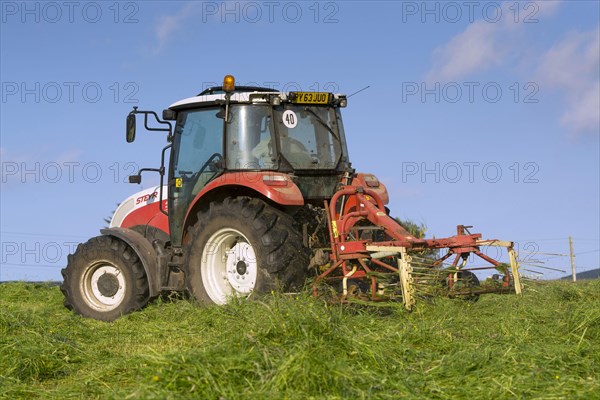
(467, 280)
(242, 246)
(104, 279)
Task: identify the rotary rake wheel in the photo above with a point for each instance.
(391, 265)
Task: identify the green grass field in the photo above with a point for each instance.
(545, 344)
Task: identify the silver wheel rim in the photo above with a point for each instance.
(103, 286)
(228, 267)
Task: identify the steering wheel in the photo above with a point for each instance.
(211, 164)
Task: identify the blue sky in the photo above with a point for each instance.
(481, 114)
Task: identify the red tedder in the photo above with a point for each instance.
(357, 259)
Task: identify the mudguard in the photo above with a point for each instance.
(144, 251)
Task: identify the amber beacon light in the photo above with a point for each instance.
(228, 83)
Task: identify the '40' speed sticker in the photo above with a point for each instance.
(290, 120)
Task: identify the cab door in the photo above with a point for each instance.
(197, 152)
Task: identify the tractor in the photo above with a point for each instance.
(260, 196)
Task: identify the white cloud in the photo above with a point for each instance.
(583, 114)
(69, 156)
(168, 25)
(484, 44)
(474, 49)
(6, 156)
(572, 66)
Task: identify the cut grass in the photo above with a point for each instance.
(545, 344)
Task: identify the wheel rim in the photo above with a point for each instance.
(229, 267)
(103, 286)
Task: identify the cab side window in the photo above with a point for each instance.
(200, 138)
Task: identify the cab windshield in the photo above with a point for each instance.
(306, 137)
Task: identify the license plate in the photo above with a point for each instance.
(312, 98)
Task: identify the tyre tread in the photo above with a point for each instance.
(286, 259)
(87, 252)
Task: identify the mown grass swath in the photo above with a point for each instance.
(545, 344)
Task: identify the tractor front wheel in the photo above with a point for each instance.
(242, 246)
(104, 279)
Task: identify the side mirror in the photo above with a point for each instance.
(169, 115)
(135, 179)
(130, 130)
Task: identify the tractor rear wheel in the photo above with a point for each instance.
(242, 246)
(104, 279)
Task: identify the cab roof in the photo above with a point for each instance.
(238, 89)
(239, 97)
(241, 94)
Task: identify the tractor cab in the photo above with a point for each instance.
(252, 140)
